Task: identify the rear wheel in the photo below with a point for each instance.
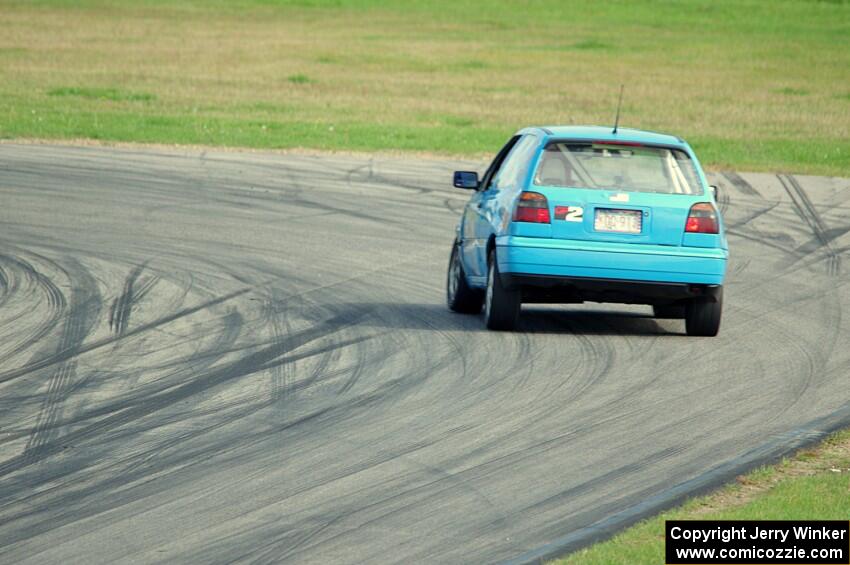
(702, 317)
(501, 305)
(669, 311)
(459, 296)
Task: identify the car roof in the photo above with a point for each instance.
(605, 133)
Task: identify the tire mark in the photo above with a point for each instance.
(811, 365)
(597, 356)
(766, 241)
(124, 482)
(347, 316)
(738, 267)
(260, 360)
(575, 491)
(64, 355)
(278, 311)
(284, 548)
(742, 185)
(810, 215)
(454, 206)
(230, 328)
(357, 372)
(55, 305)
(82, 313)
(380, 179)
(119, 312)
(118, 488)
(752, 217)
(382, 507)
(275, 313)
(723, 201)
(4, 285)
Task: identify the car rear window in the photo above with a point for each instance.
(640, 168)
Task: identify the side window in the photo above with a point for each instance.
(493, 169)
(516, 165)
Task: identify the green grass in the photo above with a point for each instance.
(591, 44)
(298, 79)
(102, 94)
(753, 85)
(813, 485)
(792, 91)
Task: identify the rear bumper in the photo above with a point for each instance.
(650, 273)
(550, 289)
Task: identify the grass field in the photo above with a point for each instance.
(752, 85)
(813, 485)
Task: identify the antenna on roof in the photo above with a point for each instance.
(620, 103)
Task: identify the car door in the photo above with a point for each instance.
(474, 220)
(491, 209)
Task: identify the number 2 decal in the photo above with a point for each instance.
(569, 213)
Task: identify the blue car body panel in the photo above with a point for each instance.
(661, 253)
(603, 260)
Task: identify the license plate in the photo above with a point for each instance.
(619, 221)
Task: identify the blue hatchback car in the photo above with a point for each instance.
(574, 214)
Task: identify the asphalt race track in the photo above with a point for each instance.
(212, 356)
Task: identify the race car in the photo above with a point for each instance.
(586, 213)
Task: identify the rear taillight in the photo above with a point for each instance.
(702, 219)
(532, 207)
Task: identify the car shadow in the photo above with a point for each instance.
(535, 319)
(595, 321)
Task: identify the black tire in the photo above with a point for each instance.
(501, 305)
(459, 296)
(702, 317)
(669, 311)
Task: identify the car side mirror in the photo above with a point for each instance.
(713, 189)
(466, 179)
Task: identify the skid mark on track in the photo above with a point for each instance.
(756, 214)
(64, 355)
(228, 330)
(101, 486)
(79, 320)
(810, 366)
(374, 178)
(812, 355)
(275, 313)
(4, 284)
(609, 477)
(742, 185)
(810, 215)
(50, 293)
(124, 481)
(597, 359)
(738, 267)
(119, 312)
(360, 363)
(283, 313)
(723, 199)
(454, 206)
(262, 359)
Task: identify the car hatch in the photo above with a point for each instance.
(623, 193)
